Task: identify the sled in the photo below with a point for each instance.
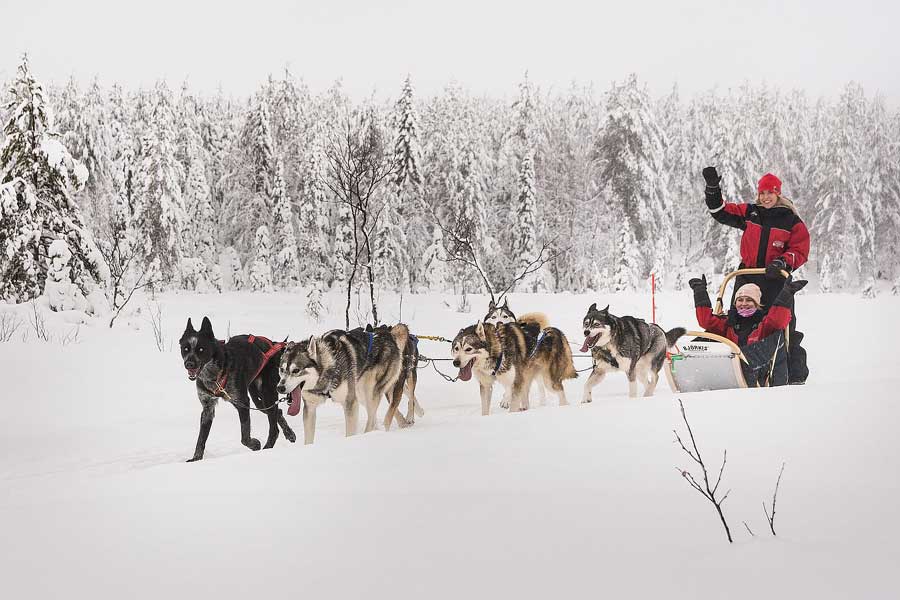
(709, 361)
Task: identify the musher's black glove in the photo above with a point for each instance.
(774, 269)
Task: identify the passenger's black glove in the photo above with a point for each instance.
(774, 269)
(786, 295)
(701, 297)
(711, 176)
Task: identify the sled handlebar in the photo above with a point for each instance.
(718, 338)
(732, 275)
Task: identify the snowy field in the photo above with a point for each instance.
(585, 501)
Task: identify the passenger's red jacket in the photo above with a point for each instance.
(775, 320)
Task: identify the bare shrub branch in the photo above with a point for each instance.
(705, 490)
(156, 322)
(9, 324)
(39, 324)
(771, 519)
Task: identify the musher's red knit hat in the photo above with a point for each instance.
(769, 183)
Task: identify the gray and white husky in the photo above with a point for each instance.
(349, 367)
(625, 344)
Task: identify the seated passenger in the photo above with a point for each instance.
(751, 327)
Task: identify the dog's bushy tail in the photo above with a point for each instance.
(673, 334)
(562, 361)
(400, 333)
(539, 319)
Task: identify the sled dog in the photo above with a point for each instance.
(348, 367)
(625, 344)
(409, 376)
(242, 368)
(501, 313)
(513, 354)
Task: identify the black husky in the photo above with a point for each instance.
(244, 367)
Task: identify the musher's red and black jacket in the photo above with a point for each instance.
(769, 233)
(741, 330)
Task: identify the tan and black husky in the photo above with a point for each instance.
(514, 354)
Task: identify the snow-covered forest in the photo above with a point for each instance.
(104, 189)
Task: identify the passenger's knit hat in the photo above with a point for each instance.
(750, 290)
(769, 183)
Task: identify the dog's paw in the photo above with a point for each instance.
(253, 444)
(504, 403)
(586, 401)
(194, 459)
(290, 436)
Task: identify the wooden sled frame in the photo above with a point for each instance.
(737, 354)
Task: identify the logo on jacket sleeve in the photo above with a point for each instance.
(778, 244)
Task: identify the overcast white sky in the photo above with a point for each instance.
(485, 45)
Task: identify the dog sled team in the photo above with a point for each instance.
(362, 365)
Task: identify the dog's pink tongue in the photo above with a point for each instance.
(588, 342)
(294, 408)
(465, 373)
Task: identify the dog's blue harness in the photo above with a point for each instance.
(371, 337)
(497, 366)
(537, 344)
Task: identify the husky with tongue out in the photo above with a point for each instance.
(242, 368)
(349, 367)
(625, 344)
(514, 354)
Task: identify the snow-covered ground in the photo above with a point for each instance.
(97, 501)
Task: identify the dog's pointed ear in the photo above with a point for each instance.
(206, 326)
(311, 348)
(592, 307)
(369, 328)
(289, 346)
(479, 331)
(605, 310)
(189, 328)
(506, 303)
(491, 305)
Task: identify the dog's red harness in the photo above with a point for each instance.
(274, 348)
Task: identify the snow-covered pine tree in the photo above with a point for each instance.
(402, 235)
(525, 239)
(261, 269)
(235, 269)
(82, 123)
(200, 239)
(36, 205)
(629, 151)
(286, 265)
(159, 210)
(435, 269)
(249, 204)
(313, 225)
(838, 190)
(628, 259)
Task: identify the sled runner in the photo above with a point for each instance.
(712, 362)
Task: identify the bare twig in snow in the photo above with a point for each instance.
(39, 324)
(156, 322)
(707, 490)
(748, 529)
(771, 519)
(9, 324)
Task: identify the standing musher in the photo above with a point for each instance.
(775, 238)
